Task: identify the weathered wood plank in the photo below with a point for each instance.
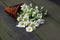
(48, 31)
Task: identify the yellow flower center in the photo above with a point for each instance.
(32, 24)
(24, 6)
(22, 23)
(25, 19)
(20, 18)
(29, 23)
(29, 29)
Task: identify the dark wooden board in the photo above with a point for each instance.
(49, 31)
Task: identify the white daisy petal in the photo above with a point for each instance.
(31, 4)
(17, 25)
(41, 15)
(42, 7)
(19, 18)
(37, 24)
(36, 7)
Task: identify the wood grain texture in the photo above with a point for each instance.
(49, 31)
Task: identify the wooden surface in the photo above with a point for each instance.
(49, 31)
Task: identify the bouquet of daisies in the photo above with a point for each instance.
(30, 18)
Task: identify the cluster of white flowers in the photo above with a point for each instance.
(30, 18)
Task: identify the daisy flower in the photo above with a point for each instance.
(24, 7)
(33, 25)
(21, 24)
(26, 17)
(29, 29)
(19, 18)
(40, 21)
